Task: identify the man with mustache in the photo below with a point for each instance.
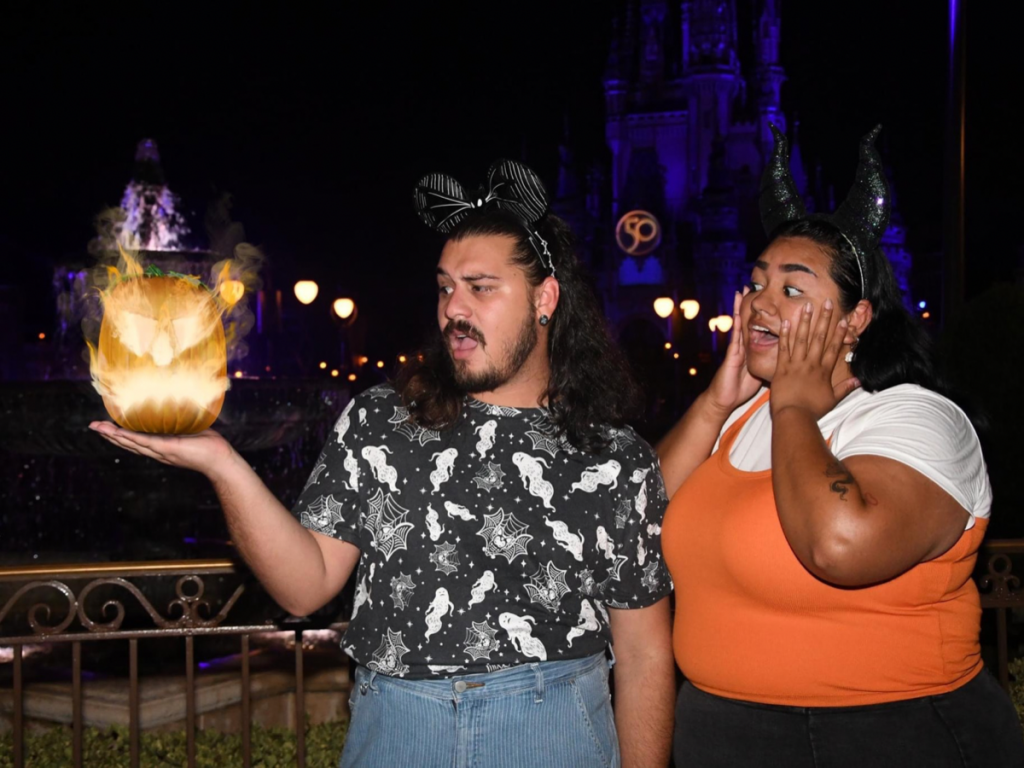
(468, 465)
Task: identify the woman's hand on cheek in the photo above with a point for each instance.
(807, 361)
(733, 385)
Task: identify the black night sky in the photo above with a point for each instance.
(319, 118)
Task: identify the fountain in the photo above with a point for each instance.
(65, 494)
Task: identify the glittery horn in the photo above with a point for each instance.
(779, 201)
(864, 215)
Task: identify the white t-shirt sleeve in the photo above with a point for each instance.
(925, 431)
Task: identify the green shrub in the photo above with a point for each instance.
(271, 748)
(1017, 686)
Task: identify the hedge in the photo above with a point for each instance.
(109, 748)
(271, 747)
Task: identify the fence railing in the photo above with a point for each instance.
(189, 616)
(1001, 592)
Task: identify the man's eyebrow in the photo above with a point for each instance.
(469, 278)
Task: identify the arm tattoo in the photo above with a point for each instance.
(843, 479)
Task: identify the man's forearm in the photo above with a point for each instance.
(644, 708)
(282, 554)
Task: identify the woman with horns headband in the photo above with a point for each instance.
(827, 508)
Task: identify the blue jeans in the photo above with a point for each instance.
(551, 714)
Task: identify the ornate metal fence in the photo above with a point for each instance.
(1001, 593)
(189, 616)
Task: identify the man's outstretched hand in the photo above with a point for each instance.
(204, 452)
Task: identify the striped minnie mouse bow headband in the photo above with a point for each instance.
(442, 203)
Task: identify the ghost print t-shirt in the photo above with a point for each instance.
(487, 545)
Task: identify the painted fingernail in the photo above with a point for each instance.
(828, 304)
(785, 325)
(843, 323)
(808, 308)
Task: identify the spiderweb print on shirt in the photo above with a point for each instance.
(504, 536)
(651, 579)
(619, 439)
(322, 515)
(492, 410)
(314, 476)
(481, 641)
(545, 436)
(445, 558)
(543, 442)
(387, 659)
(490, 478)
(547, 586)
(410, 431)
(380, 391)
(402, 587)
(387, 524)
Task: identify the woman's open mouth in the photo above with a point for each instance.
(760, 336)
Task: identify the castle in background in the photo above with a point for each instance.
(688, 126)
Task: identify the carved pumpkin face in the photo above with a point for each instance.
(161, 363)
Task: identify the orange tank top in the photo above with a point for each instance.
(752, 623)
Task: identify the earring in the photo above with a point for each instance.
(849, 356)
(544, 319)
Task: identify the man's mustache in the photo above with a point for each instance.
(464, 328)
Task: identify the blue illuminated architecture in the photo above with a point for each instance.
(688, 129)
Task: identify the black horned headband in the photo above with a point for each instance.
(443, 204)
(861, 219)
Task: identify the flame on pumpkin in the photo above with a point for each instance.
(161, 360)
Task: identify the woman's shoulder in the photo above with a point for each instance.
(901, 403)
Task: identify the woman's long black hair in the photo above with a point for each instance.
(894, 348)
(591, 386)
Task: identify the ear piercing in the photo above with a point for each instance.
(544, 319)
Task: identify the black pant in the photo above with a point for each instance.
(975, 725)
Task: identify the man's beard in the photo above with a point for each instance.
(516, 354)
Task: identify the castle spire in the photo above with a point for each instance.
(712, 34)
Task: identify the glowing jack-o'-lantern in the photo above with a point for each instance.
(161, 361)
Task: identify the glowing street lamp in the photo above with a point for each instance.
(663, 307)
(721, 323)
(306, 291)
(344, 308)
(690, 308)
